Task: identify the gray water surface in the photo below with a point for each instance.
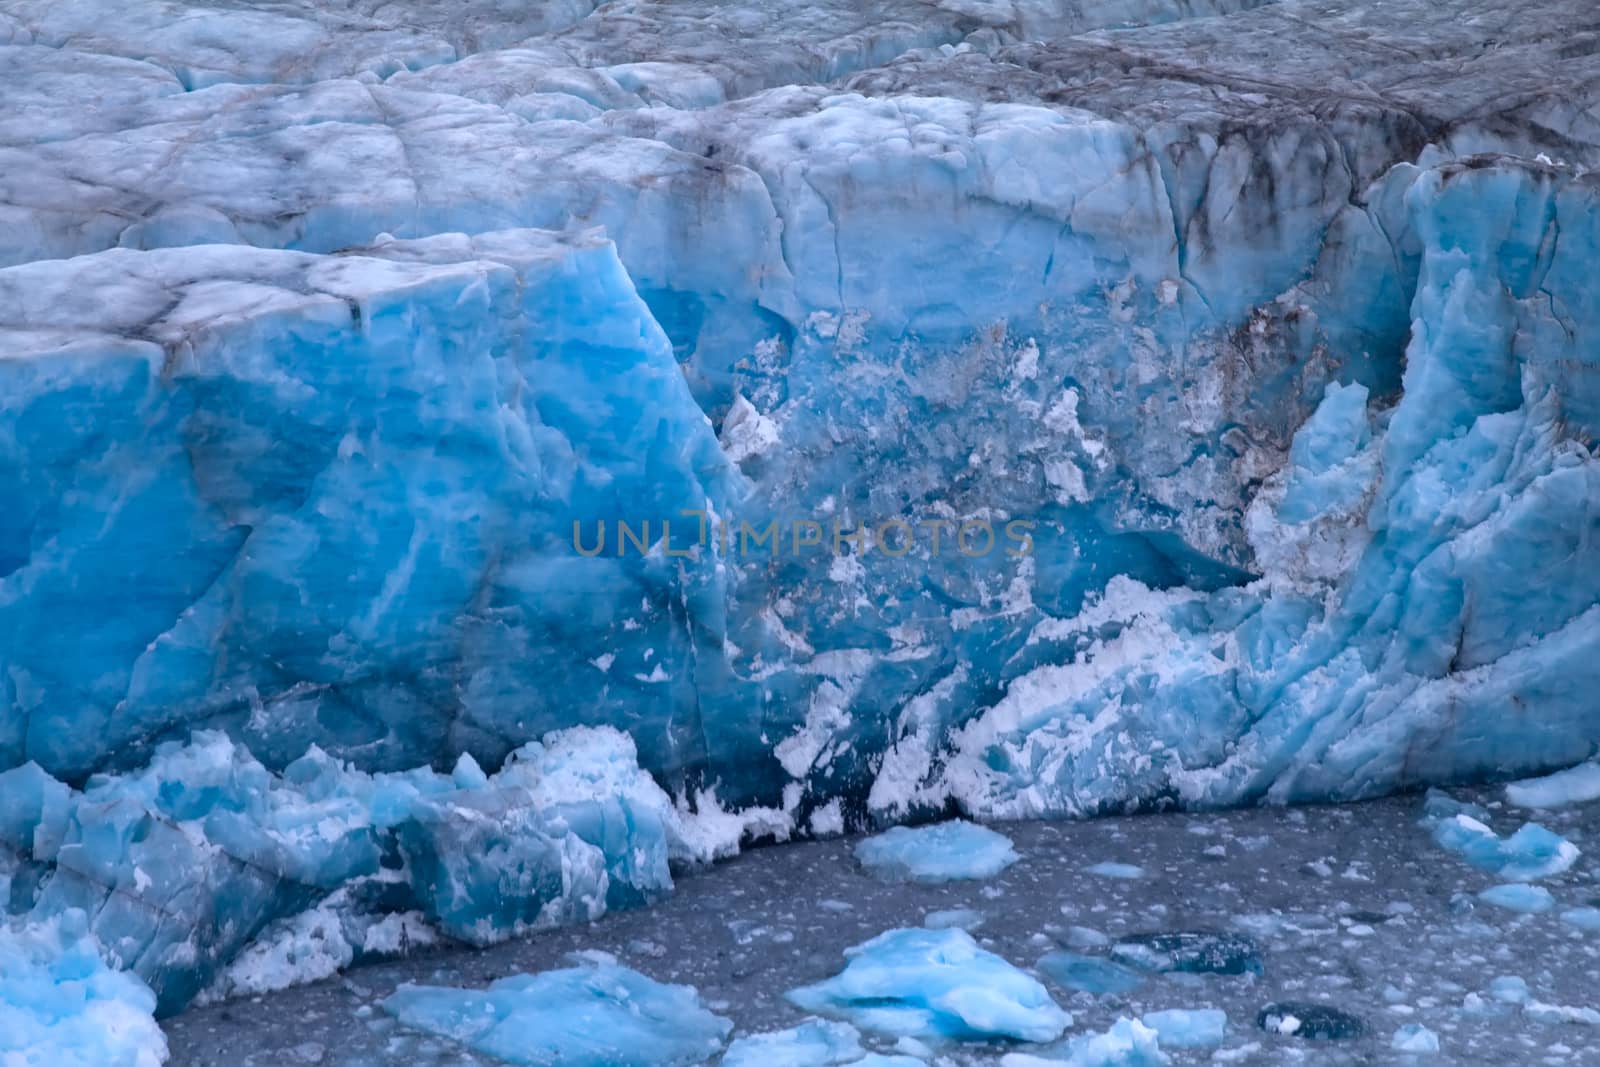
(1353, 906)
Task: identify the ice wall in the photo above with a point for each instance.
(1055, 406)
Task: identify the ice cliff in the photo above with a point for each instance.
(1028, 408)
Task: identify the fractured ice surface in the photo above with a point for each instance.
(180, 866)
(597, 1015)
(332, 332)
(61, 1005)
(942, 852)
(935, 984)
(963, 264)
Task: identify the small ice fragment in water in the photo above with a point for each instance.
(942, 852)
(1509, 989)
(1519, 896)
(1116, 870)
(1188, 1028)
(1414, 1037)
(962, 918)
(593, 1016)
(1538, 1011)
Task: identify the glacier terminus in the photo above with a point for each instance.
(468, 467)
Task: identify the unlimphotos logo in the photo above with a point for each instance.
(799, 537)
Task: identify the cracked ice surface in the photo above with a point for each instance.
(322, 325)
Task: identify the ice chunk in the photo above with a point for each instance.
(1191, 952)
(1519, 896)
(1541, 1012)
(1414, 1037)
(814, 1043)
(602, 1015)
(943, 852)
(964, 918)
(181, 865)
(1088, 974)
(935, 984)
(1188, 1027)
(61, 1005)
(1509, 989)
(1587, 918)
(1575, 785)
(1531, 852)
(1116, 870)
(1128, 1043)
(1313, 1022)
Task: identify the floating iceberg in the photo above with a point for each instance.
(1531, 852)
(599, 1015)
(935, 984)
(943, 852)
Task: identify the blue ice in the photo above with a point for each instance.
(61, 1006)
(1519, 896)
(598, 1015)
(942, 852)
(813, 1043)
(1188, 1027)
(935, 984)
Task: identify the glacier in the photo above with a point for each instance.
(463, 461)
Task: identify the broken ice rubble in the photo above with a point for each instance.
(598, 1014)
(935, 984)
(180, 865)
(60, 1005)
(943, 852)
